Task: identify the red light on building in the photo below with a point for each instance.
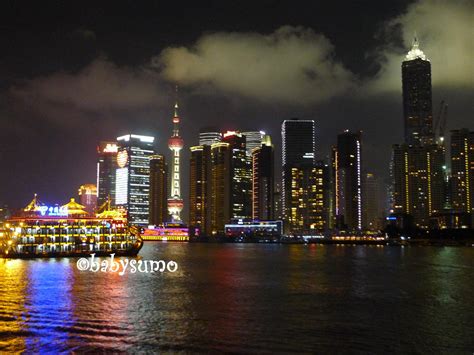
(175, 142)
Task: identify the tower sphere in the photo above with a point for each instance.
(175, 142)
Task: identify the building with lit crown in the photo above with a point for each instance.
(417, 97)
(132, 184)
(418, 165)
(106, 167)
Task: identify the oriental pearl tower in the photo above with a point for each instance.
(175, 143)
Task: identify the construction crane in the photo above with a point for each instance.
(440, 123)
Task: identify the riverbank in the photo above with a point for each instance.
(368, 241)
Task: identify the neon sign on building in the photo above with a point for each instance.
(55, 211)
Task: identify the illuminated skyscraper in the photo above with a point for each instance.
(419, 186)
(240, 176)
(132, 186)
(175, 143)
(307, 204)
(462, 171)
(263, 181)
(298, 158)
(417, 98)
(348, 181)
(220, 186)
(88, 197)
(106, 167)
(200, 193)
(418, 164)
(209, 136)
(253, 139)
(158, 190)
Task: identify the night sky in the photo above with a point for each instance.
(74, 73)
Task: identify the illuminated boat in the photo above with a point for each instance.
(68, 230)
(169, 232)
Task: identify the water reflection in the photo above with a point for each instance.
(12, 310)
(49, 307)
(237, 298)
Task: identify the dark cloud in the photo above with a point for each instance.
(293, 65)
(102, 86)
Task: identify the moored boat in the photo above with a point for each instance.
(64, 231)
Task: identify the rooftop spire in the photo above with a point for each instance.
(176, 103)
(415, 52)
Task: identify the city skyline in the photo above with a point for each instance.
(273, 176)
(67, 123)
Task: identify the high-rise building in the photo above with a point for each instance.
(308, 204)
(175, 143)
(106, 167)
(253, 139)
(417, 98)
(200, 193)
(462, 171)
(298, 155)
(132, 184)
(263, 181)
(348, 181)
(88, 197)
(418, 165)
(372, 206)
(209, 136)
(158, 190)
(220, 186)
(240, 176)
(418, 181)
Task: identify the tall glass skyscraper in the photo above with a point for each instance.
(348, 181)
(240, 176)
(298, 153)
(220, 186)
(417, 98)
(132, 184)
(263, 181)
(200, 188)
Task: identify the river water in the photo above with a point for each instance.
(246, 298)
